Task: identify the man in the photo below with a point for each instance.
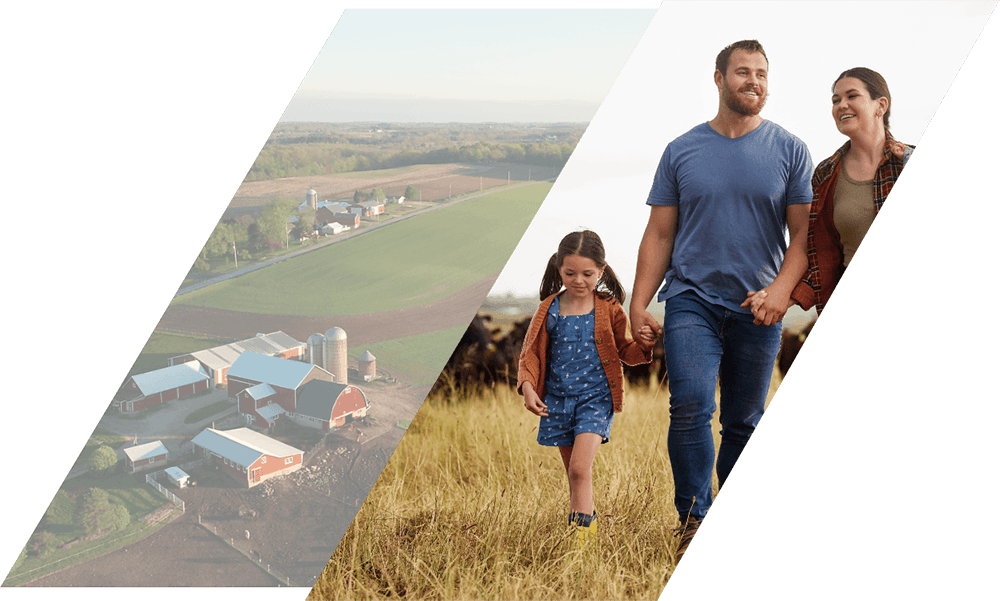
(721, 199)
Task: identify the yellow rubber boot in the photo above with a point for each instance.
(586, 535)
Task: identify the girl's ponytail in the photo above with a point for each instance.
(612, 287)
(551, 282)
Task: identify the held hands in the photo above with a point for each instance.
(646, 338)
(897, 148)
(645, 328)
(532, 402)
(767, 310)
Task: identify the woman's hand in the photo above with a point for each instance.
(766, 311)
(532, 402)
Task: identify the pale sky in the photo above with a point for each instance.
(467, 65)
(667, 88)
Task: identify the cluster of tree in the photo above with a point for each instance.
(102, 461)
(412, 193)
(94, 513)
(267, 232)
(320, 159)
(362, 196)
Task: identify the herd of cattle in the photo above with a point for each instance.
(486, 357)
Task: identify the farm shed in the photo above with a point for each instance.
(217, 360)
(142, 391)
(324, 405)
(332, 229)
(145, 456)
(247, 456)
(281, 379)
(177, 476)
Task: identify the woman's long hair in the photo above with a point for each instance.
(587, 244)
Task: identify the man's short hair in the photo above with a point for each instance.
(722, 61)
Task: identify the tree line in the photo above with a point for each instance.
(322, 159)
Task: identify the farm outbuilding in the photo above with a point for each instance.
(177, 476)
(247, 456)
(368, 208)
(217, 360)
(145, 390)
(145, 456)
(332, 229)
(347, 220)
(324, 405)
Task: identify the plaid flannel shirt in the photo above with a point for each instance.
(823, 248)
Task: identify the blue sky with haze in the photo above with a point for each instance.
(467, 65)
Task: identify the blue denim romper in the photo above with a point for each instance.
(576, 388)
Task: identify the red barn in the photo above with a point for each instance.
(321, 404)
(281, 379)
(142, 391)
(247, 456)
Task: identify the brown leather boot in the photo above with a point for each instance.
(686, 532)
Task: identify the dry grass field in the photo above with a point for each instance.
(470, 507)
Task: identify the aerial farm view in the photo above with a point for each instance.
(285, 371)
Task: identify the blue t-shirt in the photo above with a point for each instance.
(731, 195)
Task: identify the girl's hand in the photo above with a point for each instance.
(646, 338)
(532, 402)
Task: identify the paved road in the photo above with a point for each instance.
(341, 237)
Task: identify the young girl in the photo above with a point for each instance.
(570, 369)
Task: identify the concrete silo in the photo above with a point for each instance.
(316, 350)
(335, 345)
(311, 198)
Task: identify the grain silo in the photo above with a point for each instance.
(311, 198)
(336, 354)
(316, 349)
(366, 366)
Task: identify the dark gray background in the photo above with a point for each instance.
(861, 480)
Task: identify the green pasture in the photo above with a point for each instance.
(416, 261)
(421, 357)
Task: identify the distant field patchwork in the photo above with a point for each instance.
(417, 261)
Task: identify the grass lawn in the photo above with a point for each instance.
(161, 347)
(207, 412)
(422, 357)
(30, 568)
(416, 261)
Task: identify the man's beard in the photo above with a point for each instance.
(742, 105)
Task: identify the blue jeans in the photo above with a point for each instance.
(704, 342)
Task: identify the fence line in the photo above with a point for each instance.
(231, 541)
(150, 480)
(89, 549)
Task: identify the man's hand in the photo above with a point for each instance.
(646, 338)
(532, 402)
(767, 309)
(642, 320)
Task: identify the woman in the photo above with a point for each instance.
(850, 187)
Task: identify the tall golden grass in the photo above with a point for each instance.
(471, 507)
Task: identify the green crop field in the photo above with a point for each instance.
(377, 173)
(162, 346)
(411, 263)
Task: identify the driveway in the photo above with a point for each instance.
(167, 424)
